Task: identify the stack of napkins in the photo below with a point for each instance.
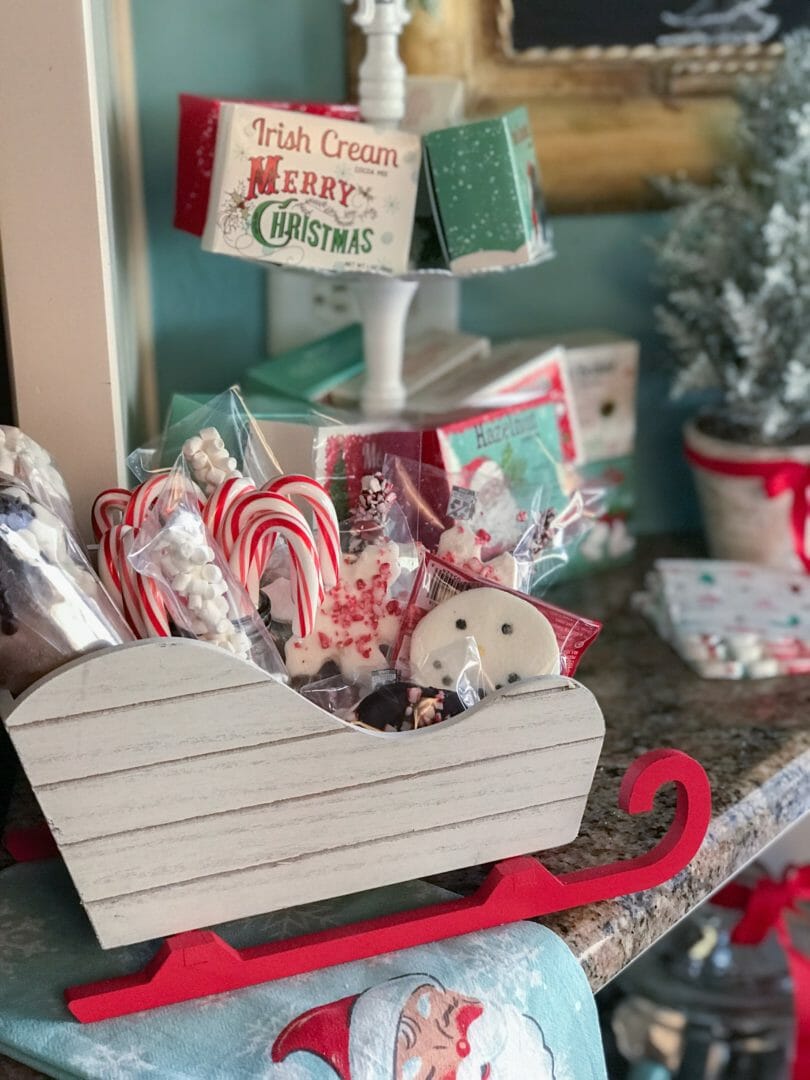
(731, 620)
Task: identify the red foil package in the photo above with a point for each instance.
(438, 581)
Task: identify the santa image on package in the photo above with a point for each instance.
(412, 1028)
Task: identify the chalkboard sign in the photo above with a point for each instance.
(553, 24)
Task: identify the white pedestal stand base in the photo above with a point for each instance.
(384, 305)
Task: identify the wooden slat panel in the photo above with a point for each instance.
(171, 730)
(149, 858)
(142, 797)
(131, 675)
(149, 914)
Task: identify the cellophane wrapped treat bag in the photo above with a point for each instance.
(527, 636)
(53, 608)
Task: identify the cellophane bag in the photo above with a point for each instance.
(438, 581)
(388, 701)
(219, 440)
(53, 608)
(25, 461)
(202, 597)
(521, 538)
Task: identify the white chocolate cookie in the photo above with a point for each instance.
(357, 616)
(514, 639)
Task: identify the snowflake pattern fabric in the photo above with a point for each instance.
(516, 987)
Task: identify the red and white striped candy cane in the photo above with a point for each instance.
(254, 555)
(108, 510)
(147, 494)
(251, 550)
(138, 597)
(109, 558)
(251, 504)
(323, 510)
(221, 502)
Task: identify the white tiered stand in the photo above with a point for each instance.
(384, 301)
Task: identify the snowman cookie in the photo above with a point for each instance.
(515, 641)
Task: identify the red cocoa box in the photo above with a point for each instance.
(197, 137)
(311, 192)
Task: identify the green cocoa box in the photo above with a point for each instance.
(485, 185)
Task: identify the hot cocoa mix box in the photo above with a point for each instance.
(196, 142)
(312, 192)
(484, 181)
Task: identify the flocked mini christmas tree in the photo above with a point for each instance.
(736, 267)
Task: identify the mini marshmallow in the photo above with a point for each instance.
(202, 585)
(210, 462)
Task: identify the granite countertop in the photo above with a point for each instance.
(753, 738)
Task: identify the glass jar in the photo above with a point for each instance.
(705, 1009)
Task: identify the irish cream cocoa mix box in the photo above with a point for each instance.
(196, 142)
(311, 192)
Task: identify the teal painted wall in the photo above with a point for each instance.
(209, 310)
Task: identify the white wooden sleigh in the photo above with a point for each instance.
(185, 788)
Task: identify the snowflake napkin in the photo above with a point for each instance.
(731, 620)
(507, 1004)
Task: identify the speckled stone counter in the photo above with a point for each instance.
(753, 738)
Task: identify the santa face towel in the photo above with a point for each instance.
(506, 1004)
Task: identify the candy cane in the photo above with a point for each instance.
(109, 557)
(305, 579)
(109, 508)
(255, 551)
(323, 510)
(250, 505)
(138, 596)
(220, 503)
(145, 496)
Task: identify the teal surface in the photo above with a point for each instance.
(536, 1001)
(309, 372)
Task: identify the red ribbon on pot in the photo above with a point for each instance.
(777, 477)
(765, 907)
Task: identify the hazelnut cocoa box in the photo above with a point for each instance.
(484, 181)
(312, 192)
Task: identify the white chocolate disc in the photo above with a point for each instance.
(514, 639)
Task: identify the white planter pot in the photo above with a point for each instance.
(742, 520)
